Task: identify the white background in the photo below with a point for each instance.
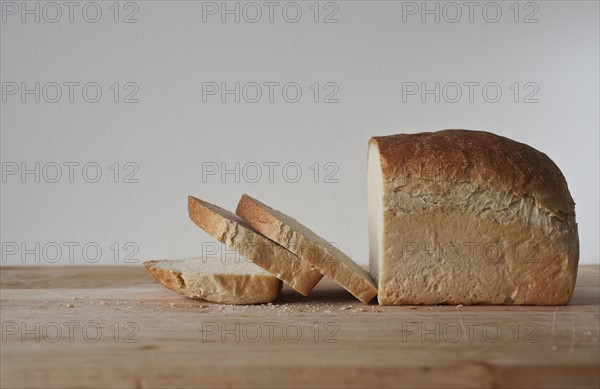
(170, 132)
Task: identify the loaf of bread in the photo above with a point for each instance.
(219, 280)
(469, 217)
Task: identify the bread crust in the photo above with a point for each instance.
(238, 235)
(218, 288)
(309, 246)
(450, 193)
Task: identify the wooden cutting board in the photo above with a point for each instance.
(115, 327)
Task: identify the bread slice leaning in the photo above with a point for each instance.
(308, 246)
(238, 235)
(229, 281)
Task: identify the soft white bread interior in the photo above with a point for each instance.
(375, 204)
(219, 280)
(469, 217)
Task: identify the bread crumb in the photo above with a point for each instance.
(327, 311)
(412, 308)
(172, 305)
(73, 298)
(70, 306)
(103, 302)
(346, 307)
(459, 306)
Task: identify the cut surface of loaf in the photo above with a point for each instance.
(224, 281)
(469, 217)
(238, 235)
(303, 242)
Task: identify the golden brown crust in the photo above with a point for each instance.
(303, 242)
(482, 158)
(217, 288)
(238, 235)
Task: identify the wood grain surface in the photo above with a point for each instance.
(96, 327)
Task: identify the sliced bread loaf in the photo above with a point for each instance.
(227, 281)
(469, 217)
(238, 235)
(308, 246)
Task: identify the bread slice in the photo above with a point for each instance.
(308, 246)
(228, 281)
(236, 234)
(469, 217)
